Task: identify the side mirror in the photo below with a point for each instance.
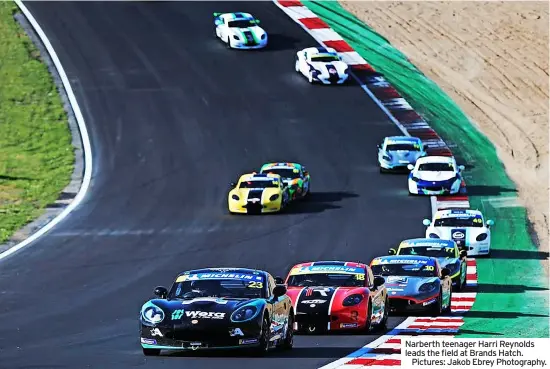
(378, 281)
(445, 272)
(232, 184)
(279, 290)
(161, 292)
(463, 253)
(410, 166)
(392, 252)
(426, 222)
(461, 167)
(279, 280)
(490, 223)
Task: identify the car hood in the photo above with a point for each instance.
(406, 286)
(320, 299)
(404, 156)
(242, 32)
(434, 176)
(204, 309)
(458, 234)
(254, 195)
(444, 262)
(324, 68)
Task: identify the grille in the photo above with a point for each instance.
(432, 188)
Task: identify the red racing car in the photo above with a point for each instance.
(336, 295)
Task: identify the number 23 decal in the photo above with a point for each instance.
(255, 285)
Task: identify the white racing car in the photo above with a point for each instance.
(466, 227)
(240, 31)
(435, 175)
(320, 64)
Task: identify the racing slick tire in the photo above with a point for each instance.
(437, 308)
(288, 342)
(228, 43)
(263, 347)
(447, 310)
(369, 319)
(384, 322)
(151, 352)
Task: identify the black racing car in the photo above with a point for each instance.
(218, 308)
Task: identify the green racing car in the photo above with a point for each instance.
(294, 175)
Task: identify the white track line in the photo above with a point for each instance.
(83, 135)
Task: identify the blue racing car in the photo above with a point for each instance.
(396, 152)
(415, 283)
(446, 252)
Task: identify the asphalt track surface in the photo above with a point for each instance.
(174, 117)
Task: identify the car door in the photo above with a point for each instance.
(378, 297)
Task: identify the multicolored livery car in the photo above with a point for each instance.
(415, 283)
(294, 175)
(336, 295)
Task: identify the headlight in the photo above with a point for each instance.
(481, 237)
(427, 287)
(235, 197)
(263, 36)
(415, 179)
(236, 37)
(346, 71)
(433, 235)
(386, 157)
(316, 72)
(352, 300)
(151, 313)
(245, 313)
(274, 197)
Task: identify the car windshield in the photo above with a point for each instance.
(409, 270)
(436, 167)
(221, 288)
(327, 279)
(474, 221)
(241, 23)
(324, 59)
(436, 252)
(406, 147)
(259, 184)
(284, 172)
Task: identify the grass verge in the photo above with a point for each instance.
(36, 155)
(513, 289)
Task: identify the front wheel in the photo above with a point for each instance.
(383, 323)
(369, 318)
(288, 343)
(228, 43)
(263, 347)
(437, 308)
(151, 352)
(310, 77)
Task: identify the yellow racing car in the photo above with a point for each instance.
(258, 193)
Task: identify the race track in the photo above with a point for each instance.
(174, 117)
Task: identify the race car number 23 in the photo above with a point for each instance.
(255, 285)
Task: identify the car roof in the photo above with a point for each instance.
(449, 213)
(281, 165)
(224, 270)
(403, 139)
(259, 177)
(436, 159)
(237, 16)
(426, 242)
(405, 257)
(321, 51)
(352, 264)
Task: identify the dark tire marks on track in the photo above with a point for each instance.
(174, 117)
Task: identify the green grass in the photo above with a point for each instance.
(36, 155)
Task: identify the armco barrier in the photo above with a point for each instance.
(385, 351)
